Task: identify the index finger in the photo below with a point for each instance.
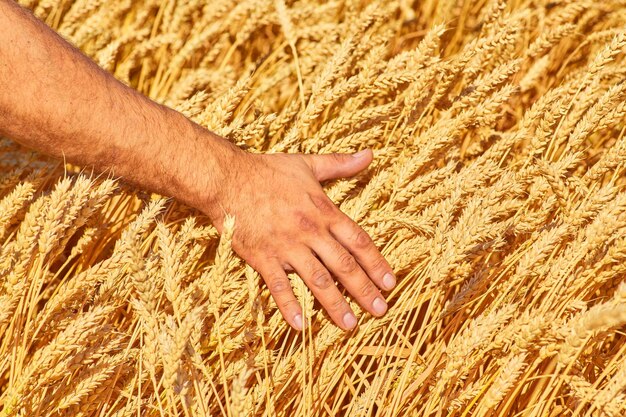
(362, 247)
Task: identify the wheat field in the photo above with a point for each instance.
(496, 193)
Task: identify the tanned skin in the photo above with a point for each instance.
(56, 100)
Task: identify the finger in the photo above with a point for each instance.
(338, 165)
(276, 280)
(342, 264)
(321, 283)
(358, 242)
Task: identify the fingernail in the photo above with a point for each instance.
(379, 306)
(360, 154)
(389, 280)
(297, 320)
(349, 320)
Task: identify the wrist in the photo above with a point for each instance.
(202, 168)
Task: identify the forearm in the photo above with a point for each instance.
(56, 100)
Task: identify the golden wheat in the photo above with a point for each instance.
(496, 193)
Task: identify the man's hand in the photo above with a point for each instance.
(284, 221)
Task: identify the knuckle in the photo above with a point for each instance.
(336, 305)
(306, 224)
(338, 158)
(288, 304)
(321, 279)
(278, 285)
(361, 239)
(367, 290)
(379, 263)
(347, 263)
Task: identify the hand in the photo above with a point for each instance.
(285, 221)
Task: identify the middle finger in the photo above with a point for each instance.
(321, 283)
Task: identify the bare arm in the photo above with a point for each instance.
(56, 100)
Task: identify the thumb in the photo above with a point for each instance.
(339, 165)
